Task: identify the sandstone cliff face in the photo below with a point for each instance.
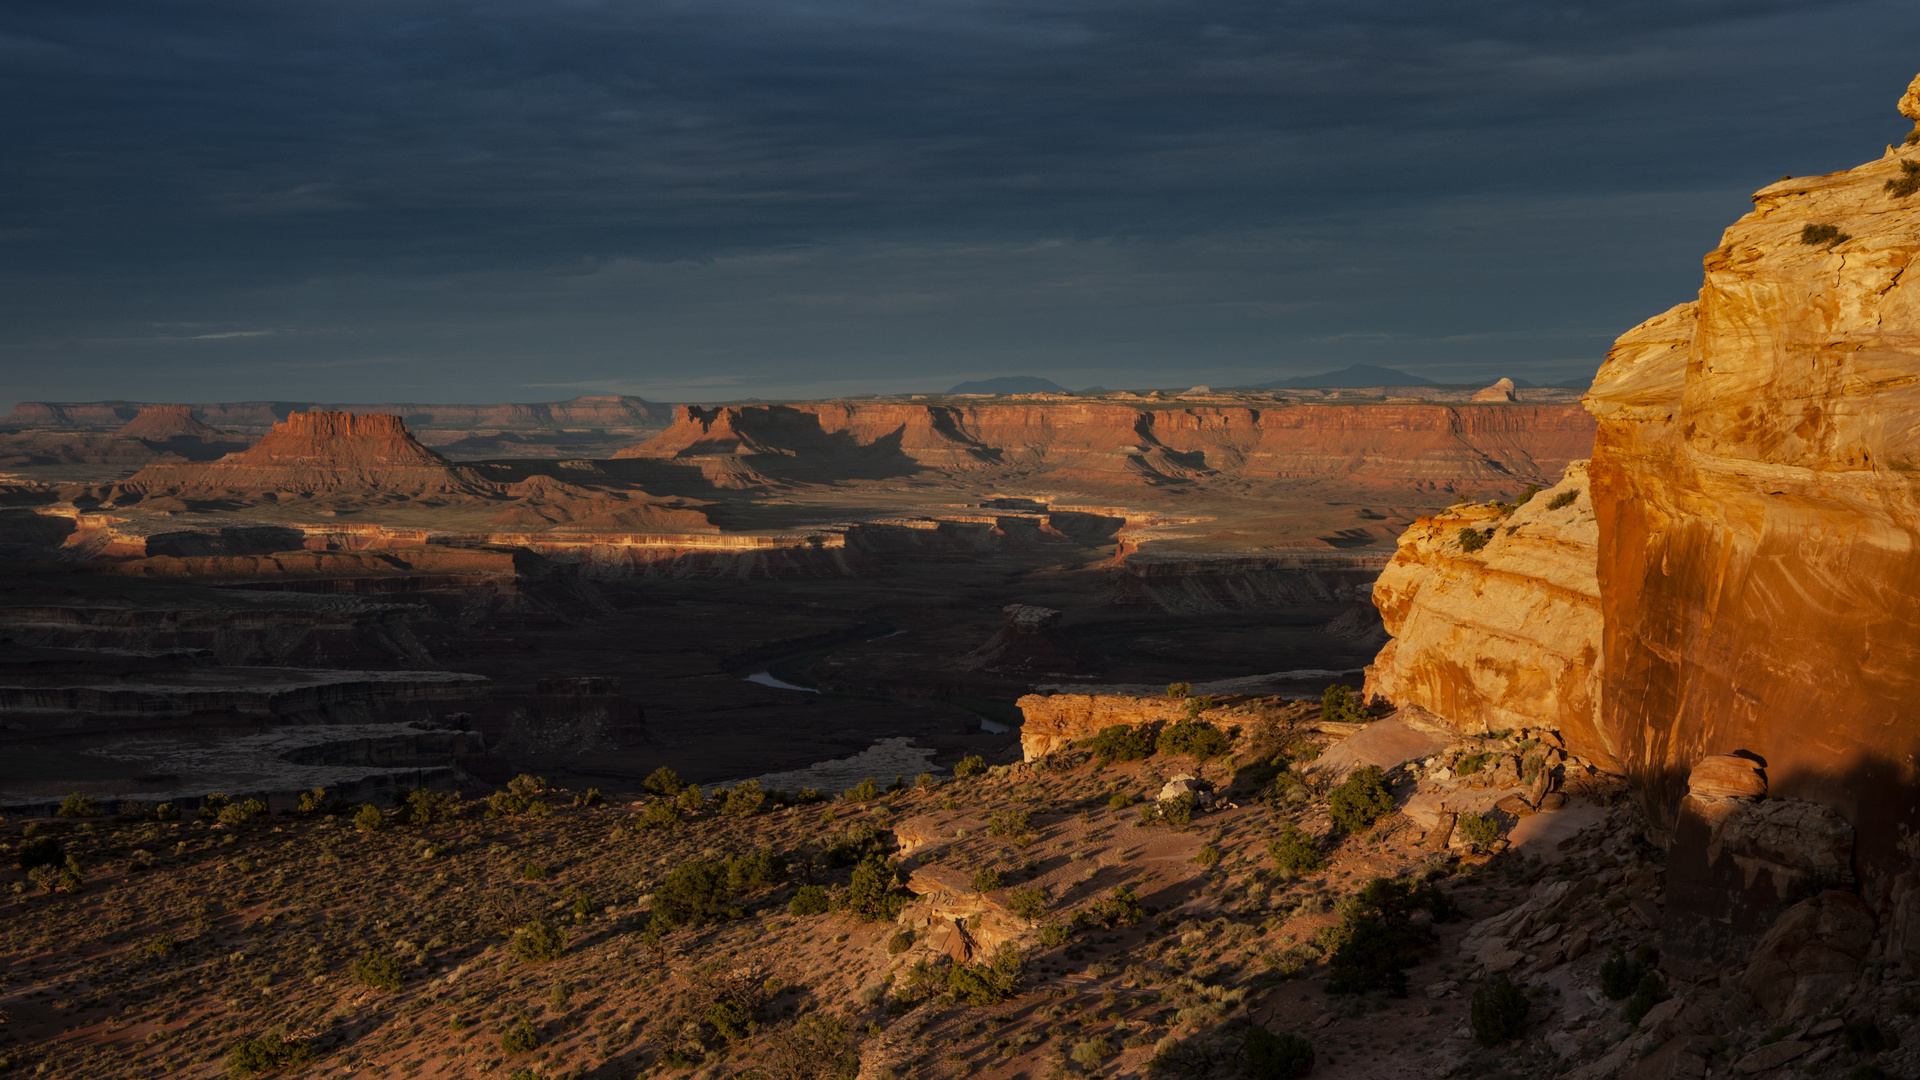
(1506, 636)
(1429, 446)
(1755, 483)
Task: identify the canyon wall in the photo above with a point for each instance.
(1755, 477)
(1431, 446)
(1505, 635)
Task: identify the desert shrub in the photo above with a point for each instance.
(989, 983)
(520, 1038)
(1472, 763)
(744, 800)
(313, 802)
(1208, 854)
(1339, 704)
(422, 808)
(1177, 810)
(1029, 902)
(535, 871)
(703, 891)
(810, 900)
(1276, 1057)
(1179, 690)
(1563, 500)
(1472, 540)
(1121, 742)
(1092, 1052)
(1198, 705)
(377, 971)
(1907, 182)
(1376, 939)
(267, 1053)
(814, 1047)
(1120, 800)
(1008, 822)
(242, 812)
(539, 941)
(1650, 991)
(1055, 934)
(1296, 852)
(369, 818)
(1620, 973)
(590, 798)
(658, 815)
(663, 781)
(969, 765)
(164, 945)
(1121, 907)
(1480, 831)
(1499, 1012)
(874, 891)
(690, 799)
(1362, 799)
(41, 851)
(166, 811)
(1830, 235)
(865, 791)
(1192, 738)
(987, 879)
(522, 796)
(900, 943)
(78, 805)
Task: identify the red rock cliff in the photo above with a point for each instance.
(1394, 444)
(1757, 482)
(319, 452)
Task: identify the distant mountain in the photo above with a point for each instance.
(1010, 384)
(1357, 375)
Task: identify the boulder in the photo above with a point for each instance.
(1727, 776)
(1201, 791)
(1809, 955)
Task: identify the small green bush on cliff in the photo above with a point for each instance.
(744, 799)
(969, 765)
(809, 900)
(1499, 1012)
(377, 971)
(1481, 832)
(1907, 182)
(78, 805)
(267, 1053)
(1830, 235)
(1192, 738)
(1563, 500)
(705, 891)
(1121, 742)
(1179, 689)
(1472, 540)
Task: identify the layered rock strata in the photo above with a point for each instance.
(1755, 480)
(1436, 446)
(314, 453)
(1496, 618)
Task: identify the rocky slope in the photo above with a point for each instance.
(1502, 635)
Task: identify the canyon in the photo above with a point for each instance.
(864, 549)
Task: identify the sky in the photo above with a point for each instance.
(437, 201)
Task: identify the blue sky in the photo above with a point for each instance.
(352, 200)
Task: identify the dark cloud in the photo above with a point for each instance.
(511, 200)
